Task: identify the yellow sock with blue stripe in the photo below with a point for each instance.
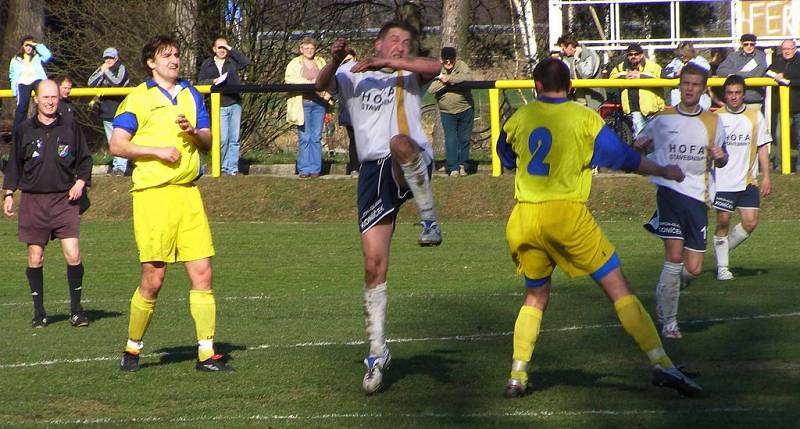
(141, 313)
(204, 312)
(526, 331)
(639, 325)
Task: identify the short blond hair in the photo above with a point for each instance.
(308, 41)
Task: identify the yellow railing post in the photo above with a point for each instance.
(494, 121)
(785, 143)
(215, 128)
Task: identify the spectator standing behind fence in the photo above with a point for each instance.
(583, 63)
(65, 107)
(51, 164)
(353, 165)
(307, 110)
(112, 73)
(222, 70)
(747, 62)
(685, 54)
(638, 103)
(25, 70)
(456, 107)
(786, 67)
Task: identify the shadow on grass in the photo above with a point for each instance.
(189, 353)
(543, 379)
(435, 365)
(748, 272)
(93, 315)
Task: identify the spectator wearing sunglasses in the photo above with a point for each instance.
(747, 62)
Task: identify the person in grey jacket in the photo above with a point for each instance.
(747, 62)
(114, 74)
(221, 70)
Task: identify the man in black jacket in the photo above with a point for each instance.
(51, 164)
(223, 69)
(112, 73)
(786, 67)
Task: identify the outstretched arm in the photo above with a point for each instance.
(325, 81)
(427, 68)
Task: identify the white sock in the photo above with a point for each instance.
(375, 317)
(416, 175)
(686, 278)
(721, 251)
(668, 292)
(737, 236)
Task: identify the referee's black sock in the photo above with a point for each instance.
(75, 283)
(36, 282)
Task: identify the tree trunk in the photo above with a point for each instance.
(22, 18)
(455, 25)
(186, 19)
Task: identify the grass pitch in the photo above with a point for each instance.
(289, 314)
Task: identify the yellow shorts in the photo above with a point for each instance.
(170, 224)
(543, 235)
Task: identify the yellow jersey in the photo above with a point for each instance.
(148, 113)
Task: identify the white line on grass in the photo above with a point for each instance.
(541, 414)
(471, 337)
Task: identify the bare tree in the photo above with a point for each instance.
(456, 16)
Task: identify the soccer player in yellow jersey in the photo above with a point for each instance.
(161, 126)
(553, 143)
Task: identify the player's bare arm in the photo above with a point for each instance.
(763, 162)
(325, 79)
(643, 144)
(669, 172)
(427, 68)
(121, 145)
(200, 137)
(719, 155)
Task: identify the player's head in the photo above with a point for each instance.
(693, 84)
(567, 43)
(46, 97)
(734, 88)
(64, 83)
(395, 40)
(161, 57)
(551, 75)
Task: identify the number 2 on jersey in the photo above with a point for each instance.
(539, 144)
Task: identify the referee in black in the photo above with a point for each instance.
(51, 165)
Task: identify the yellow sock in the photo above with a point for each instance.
(526, 331)
(639, 325)
(141, 313)
(204, 312)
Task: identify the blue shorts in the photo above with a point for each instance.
(729, 201)
(681, 218)
(379, 195)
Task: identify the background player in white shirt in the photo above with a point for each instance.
(747, 142)
(383, 96)
(691, 138)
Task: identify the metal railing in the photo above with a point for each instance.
(494, 88)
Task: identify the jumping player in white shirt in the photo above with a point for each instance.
(747, 141)
(694, 140)
(383, 97)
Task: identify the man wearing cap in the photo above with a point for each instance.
(638, 103)
(112, 73)
(456, 108)
(747, 62)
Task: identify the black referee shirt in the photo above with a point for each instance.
(47, 158)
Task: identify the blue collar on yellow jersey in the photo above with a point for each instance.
(552, 100)
(183, 84)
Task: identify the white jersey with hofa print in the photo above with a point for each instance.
(381, 105)
(683, 139)
(745, 132)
